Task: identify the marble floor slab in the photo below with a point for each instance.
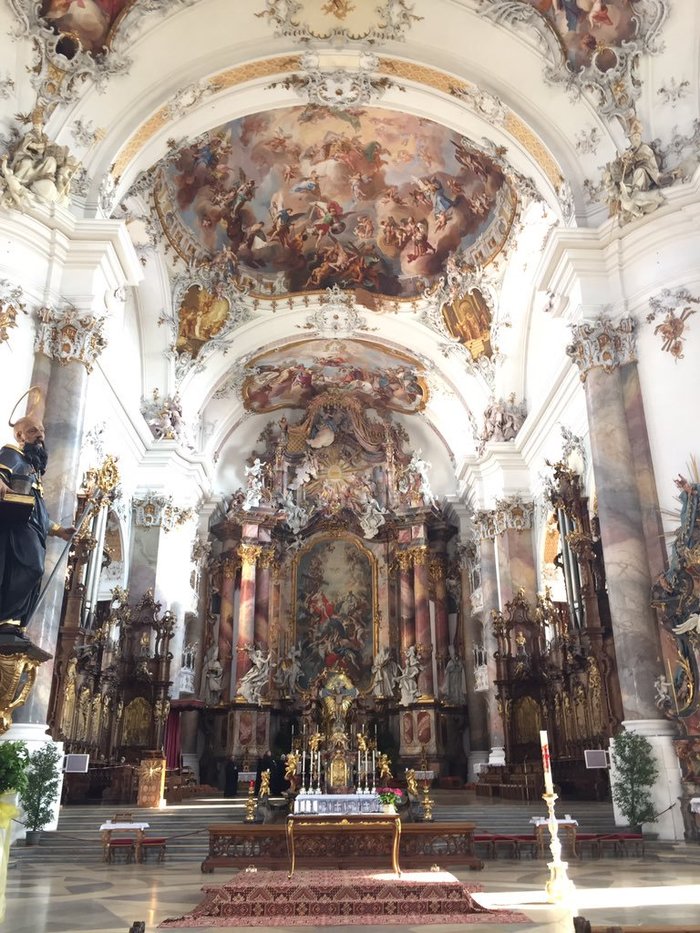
(662, 887)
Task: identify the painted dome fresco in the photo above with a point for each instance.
(305, 198)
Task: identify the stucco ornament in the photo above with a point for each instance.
(338, 88)
(590, 46)
(36, 171)
(339, 19)
(69, 336)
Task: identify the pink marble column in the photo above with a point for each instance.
(603, 351)
(227, 588)
(263, 589)
(476, 701)
(249, 554)
(424, 642)
(407, 621)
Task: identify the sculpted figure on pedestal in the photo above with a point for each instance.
(255, 682)
(632, 181)
(213, 677)
(408, 678)
(38, 170)
(384, 673)
(23, 544)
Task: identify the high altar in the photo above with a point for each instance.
(334, 604)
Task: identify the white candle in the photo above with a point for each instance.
(374, 765)
(358, 768)
(546, 763)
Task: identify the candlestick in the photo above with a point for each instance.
(546, 763)
(359, 772)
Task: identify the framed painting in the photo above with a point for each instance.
(335, 608)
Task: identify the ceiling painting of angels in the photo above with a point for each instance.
(292, 375)
(90, 23)
(334, 610)
(305, 198)
(589, 30)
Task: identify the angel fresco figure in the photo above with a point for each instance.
(408, 678)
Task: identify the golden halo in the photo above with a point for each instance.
(36, 400)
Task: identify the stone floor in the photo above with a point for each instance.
(663, 887)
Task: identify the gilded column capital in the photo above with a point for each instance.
(249, 553)
(229, 566)
(403, 560)
(268, 557)
(603, 344)
(419, 555)
(69, 336)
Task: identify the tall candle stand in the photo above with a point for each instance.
(250, 804)
(559, 887)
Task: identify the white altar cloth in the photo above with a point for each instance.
(337, 803)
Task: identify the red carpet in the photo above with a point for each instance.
(328, 898)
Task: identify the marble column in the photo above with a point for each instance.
(249, 554)
(603, 351)
(407, 621)
(477, 710)
(67, 348)
(227, 589)
(490, 597)
(424, 641)
(513, 523)
(442, 625)
(263, 588)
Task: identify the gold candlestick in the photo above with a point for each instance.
(250, 805)
(427, 803)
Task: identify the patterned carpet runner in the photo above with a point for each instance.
(327, 898)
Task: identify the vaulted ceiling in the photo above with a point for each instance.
(352, 191)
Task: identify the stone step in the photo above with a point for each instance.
(185, 825)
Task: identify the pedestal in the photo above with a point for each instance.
(34, 736)
(497, 756)
(475, 762)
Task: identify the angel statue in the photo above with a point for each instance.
(384, 766)
(291, 766)
(264, 784)
(411, 783)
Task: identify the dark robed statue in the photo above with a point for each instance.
(23, 544)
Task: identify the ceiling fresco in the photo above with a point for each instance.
(305, 198)
(589, 30)
(87, 24)
(292, 376)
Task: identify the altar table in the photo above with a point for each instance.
(138, 829)
(333, 823)
(337, 803)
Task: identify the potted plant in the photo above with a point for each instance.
(389, 797)
(635, 773)
(40, 790)
(13, 766)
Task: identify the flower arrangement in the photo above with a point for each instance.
(389, 794)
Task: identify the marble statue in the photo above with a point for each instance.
(213, 677)
(38, 170)
(384, 673)
(632, 181)
(454, 684)
(415, 482)
(254, 683)
(663, 697)
(164, 417)
(254, 485)
(289, 671)
(372, 518)
(502, 420)
(296, 515)
(408, 678)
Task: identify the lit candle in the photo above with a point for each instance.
(358, 769)
(546, 763)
